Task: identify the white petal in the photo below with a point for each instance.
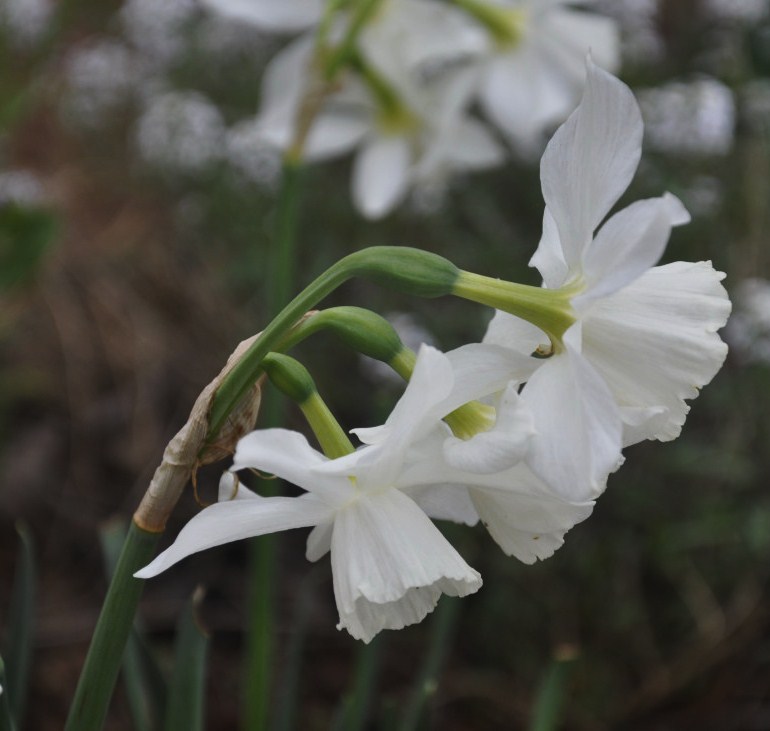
(629, 244)
(288, 455)
(414, 33)
(231, 521)
(655, 344)
(319, 542)
(499, 448)
(527, 527)
(481, 369)
(285, 15)
(335, 133)
(445, 502)
(418, 411)
(390, 565)
(578, 423)
(516, 334)
(338, 128)
(570, 34)
(511, 97)
(548, 259)
(590, 160)
(381, 175)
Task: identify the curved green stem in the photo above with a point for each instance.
(399, 267)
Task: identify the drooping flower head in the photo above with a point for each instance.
(644, 338)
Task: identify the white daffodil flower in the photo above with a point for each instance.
(534, 69)
(407, 130)
(276, 16)
(644, 337)
(456, 479)
(390, 564)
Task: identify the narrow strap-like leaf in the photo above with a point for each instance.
(549, 703)
(186, 708)
(21, 626)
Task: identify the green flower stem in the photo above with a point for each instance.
(548, 309)
(404, 269)
(294, 381)
(364, 331)
(280, 277)
(505, 25)
(97, 679)
(343, 52)
(403, 363)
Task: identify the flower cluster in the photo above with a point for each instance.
(394, 82)
(521, 431)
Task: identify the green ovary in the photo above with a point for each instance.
(471, 419)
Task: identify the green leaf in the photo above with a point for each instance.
(6, 720)
(25, 236)
(145, 685)
(21, 625)
(553, 688)
(353, 714)
(442, 628)
(105, 656)
(185, 709)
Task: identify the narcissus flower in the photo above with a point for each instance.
(533, 71)
(643, 338)
(371, 508)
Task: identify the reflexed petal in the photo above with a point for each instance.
(654, 342)
(391, 564)
(590, 160)
(499, 448)
(381, 175)
(288, 455)
(236, 519)
(629, 244)
(285, 15)
(577, 421)
(548, 259)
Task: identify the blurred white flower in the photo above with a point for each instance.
(23, 22)
(534, 69)
(406, 133)
(742, 10)
(694, 118)
(101, 78)
(749, 328)
(158, 29)
(755, 104)
(249, 154)
(644, 338)
(278, 16)
(641, 43)
(20, 187)
(181, 131)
